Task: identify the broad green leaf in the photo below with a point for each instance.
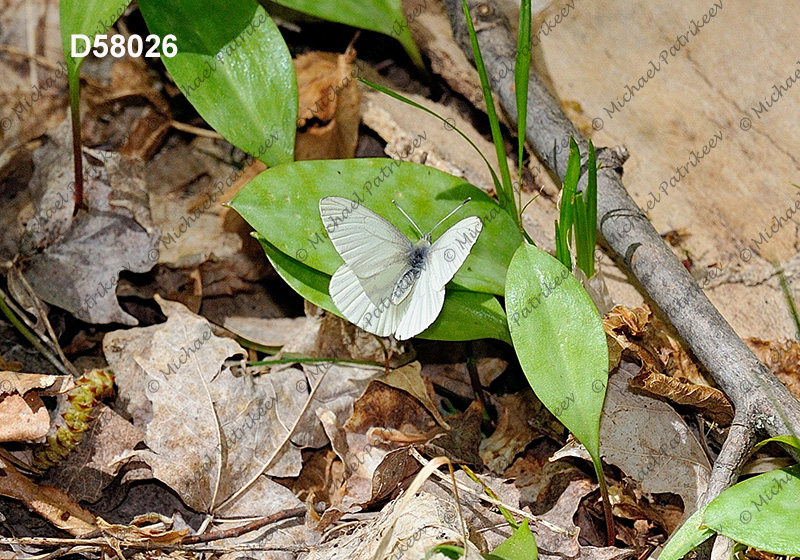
(521, 545)
(760, 511)
(687, 538)
(383, 16)
(465, 315)
(282, 204)
(234, 67)
(559, 340)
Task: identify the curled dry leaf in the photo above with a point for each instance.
(636, 335)
(52, 504)
(209, 434)
(92, 247)
(23, 416)
(708, 401)
(328, 98)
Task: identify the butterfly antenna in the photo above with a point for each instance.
(408, 218)
(457, 208)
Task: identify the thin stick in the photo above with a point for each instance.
(252, 526)
(37, 303)
(481, 496)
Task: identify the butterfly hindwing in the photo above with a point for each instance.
(423, 305)
(379, 317)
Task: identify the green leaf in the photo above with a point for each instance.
(234, 67)
(465, 315)
(790, 441)
(506, 194)
(383, 16)
(570, 186)
(282, 204)
(760, 512)
(687, 538)
(87, 17)
(521, 545)
(591, 210)
(522, 69)
(559, 340)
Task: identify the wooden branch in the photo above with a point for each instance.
(763, 405)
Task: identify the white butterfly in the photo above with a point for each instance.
(387, 285)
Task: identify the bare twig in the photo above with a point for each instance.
(763, 405)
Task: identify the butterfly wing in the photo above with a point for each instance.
(421, 307)
(367, 242)
(442, 261)
(449, 252)
(376, 256)
(380, 317)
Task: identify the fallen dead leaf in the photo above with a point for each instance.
(51, 503)
(708, 401)
(92, 247)
(328, 99)
(209, 434)
(650, 442)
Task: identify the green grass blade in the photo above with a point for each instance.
(591, 205)
(408, 101)
(789, 300)
(506, 193)
(521, 79)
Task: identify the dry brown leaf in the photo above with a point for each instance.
(514, 431)
(783, 358)
(426, 521)
(708, 401)
(461, 443)
(635, 335)
(52, 504)
(540, 481)
(650, 442)
(208, 433)
(22, 383)
(150, 528)
(382, 409)
(92, 247)
(328, 99)
(23, 416)
(408, 379)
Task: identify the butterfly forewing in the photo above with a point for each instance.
(367, 242)
(449, 252)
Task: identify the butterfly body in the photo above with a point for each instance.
(387, 285)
